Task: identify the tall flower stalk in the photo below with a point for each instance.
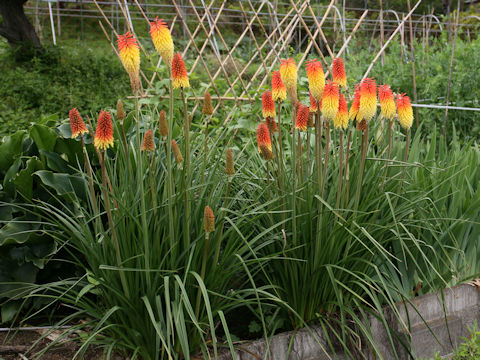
(162, 40)
(180, 81)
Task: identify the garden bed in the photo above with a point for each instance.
(445, 323)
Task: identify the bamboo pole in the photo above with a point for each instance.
(390, 39)
(414, 78)
(451, 70)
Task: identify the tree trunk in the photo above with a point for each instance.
(16, 28)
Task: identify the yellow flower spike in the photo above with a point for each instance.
(330, 100)
(341, 119)
(368, 99)
(288, 73)
(162, 39)
(387, 102)
(405, 111)
(316, 78)
(129, 53)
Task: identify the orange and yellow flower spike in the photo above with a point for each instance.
(313, 104)
(341, 120)
(338, 72)
(179, 72)
(130, 56)
(104, 133)
(368, 100)
(316, 78)
(263, 141)
(268, 106)
(301, 120)
(330, 100)
(162, 40)
(148, 144)
(279, 91)
(353, 113)
(77, 126)
(387, 103)
(288, 73)
(405, 111)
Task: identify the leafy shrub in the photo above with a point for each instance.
(32, 162)
(63, 77)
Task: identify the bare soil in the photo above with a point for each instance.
(19, 347)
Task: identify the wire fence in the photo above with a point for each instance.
(269, 32)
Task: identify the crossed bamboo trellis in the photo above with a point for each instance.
(255, 27)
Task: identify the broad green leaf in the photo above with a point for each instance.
(44, 137)
(24, 180)
(10, 149)
(64, 184)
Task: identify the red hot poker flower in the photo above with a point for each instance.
(179, 72)
(338, 72)
(301, 120)
(77, 126)
(268, 106)
(104, 133)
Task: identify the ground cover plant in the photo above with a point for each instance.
(317, 220)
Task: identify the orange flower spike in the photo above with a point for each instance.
(77, 126)
(268, 106)
(207, 104)
(368, 99)
(263, 141)
(387, 103)
(301, 120)
(179, 72)
(288, 73)
(316, 78)
(330, 100)
(353, 113)
(104, 133)
(338, 72)
(148, 144)
(162, 124)
(313, 104)
(177, 153)
(279, 91)
(129, 52)
(405, 111)
(209, 220)
(272, 125)
(341, 120)
(162, 39)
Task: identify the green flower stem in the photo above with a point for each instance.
(202, 273)
(340, 171)
(143, 215)
(187, 170)
(294, 179)
(362, 167)
(171, 229)
(111, 224)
